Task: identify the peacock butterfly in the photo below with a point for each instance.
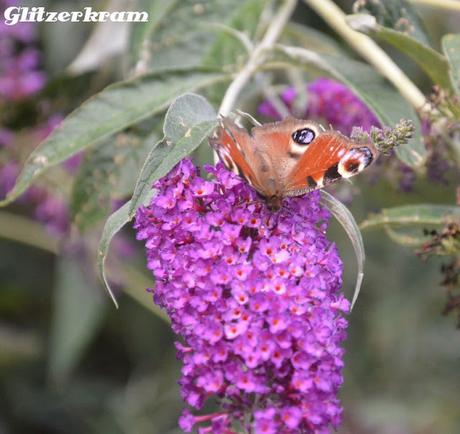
(290, 157)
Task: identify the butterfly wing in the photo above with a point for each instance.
(290, 157)
(307, 157)
(329, 158)
(236, 149)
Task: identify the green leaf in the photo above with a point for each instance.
(143, 191)
(425, 214)
(383, 100)
(173, 155)
(451, 49)
(433, 63)
(300, 35)
(194, 137)
(185, 146)
(189, 121)
(348, 222)
(187, 113)
(398, 15)
(77, 314)
(115, 108)
(164, 157)
(141, 32)
(405, 238)
(182, 35)
(107, 173)
(231, 50)
(112, 226)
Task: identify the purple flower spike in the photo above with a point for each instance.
(328, 101)
(255, 297)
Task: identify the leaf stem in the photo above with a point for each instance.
(255, 59)
(369, 50)
(439, 4)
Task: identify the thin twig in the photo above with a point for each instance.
(369, 50)
(255, 58)
(271, 36)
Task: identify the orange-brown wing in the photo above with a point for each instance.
(328, 158)
(235, 149)
(306, 157)
(275, 140)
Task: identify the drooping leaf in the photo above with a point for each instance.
(77, 314)
(112, 226)
(182, 119)
(432, 62)
(405, 238)
(107, 174)
(451, 49)
(185, 146)
(189, 121)
(185, 112)
(143, 189)
(398, 15)
(348, 222)
(383, 100)
(122, 216)
(425, 214)
(108, 112)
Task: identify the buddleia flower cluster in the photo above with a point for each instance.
(254, 297)
(328, 101)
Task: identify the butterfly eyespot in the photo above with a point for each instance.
(352, 166)
(303, 136)
(354, 161)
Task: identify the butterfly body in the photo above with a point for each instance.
(290, 157)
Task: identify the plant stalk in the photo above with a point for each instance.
(370, 51)
(271, 36)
